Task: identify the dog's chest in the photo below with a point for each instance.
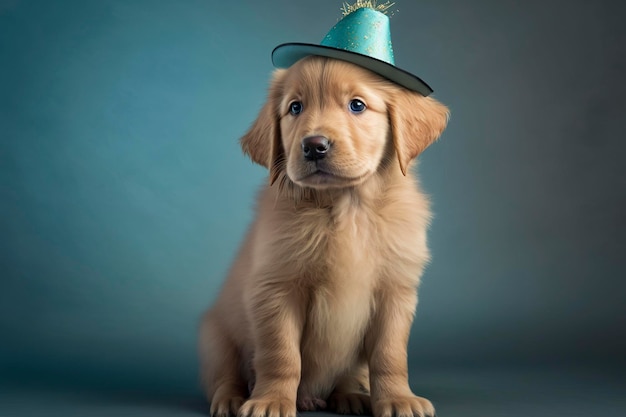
(337, 316)
(341, 296)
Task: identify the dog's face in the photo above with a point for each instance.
(333, 124)
(330, 124)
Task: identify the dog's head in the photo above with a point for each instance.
(332, 124)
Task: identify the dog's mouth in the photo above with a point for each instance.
(323, 178)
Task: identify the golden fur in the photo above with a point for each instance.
(317, 308)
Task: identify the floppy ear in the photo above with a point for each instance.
(416, 122)
(262, 143)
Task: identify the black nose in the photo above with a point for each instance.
(315, 147)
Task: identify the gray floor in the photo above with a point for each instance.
(456, 393)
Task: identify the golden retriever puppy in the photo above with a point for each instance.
(317, 308)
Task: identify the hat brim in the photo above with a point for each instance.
(287, 54)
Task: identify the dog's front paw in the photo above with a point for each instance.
(225, 407)
(268, 407)
(352, 403)
(410, 406)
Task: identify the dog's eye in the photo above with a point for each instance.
(356, 106)
(295, 107)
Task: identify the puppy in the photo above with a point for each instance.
(317, 308)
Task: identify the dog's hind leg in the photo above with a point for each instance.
(351, 394)
(221, 369)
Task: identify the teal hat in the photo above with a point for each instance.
(363, 38)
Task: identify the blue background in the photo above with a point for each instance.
(124, 194)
